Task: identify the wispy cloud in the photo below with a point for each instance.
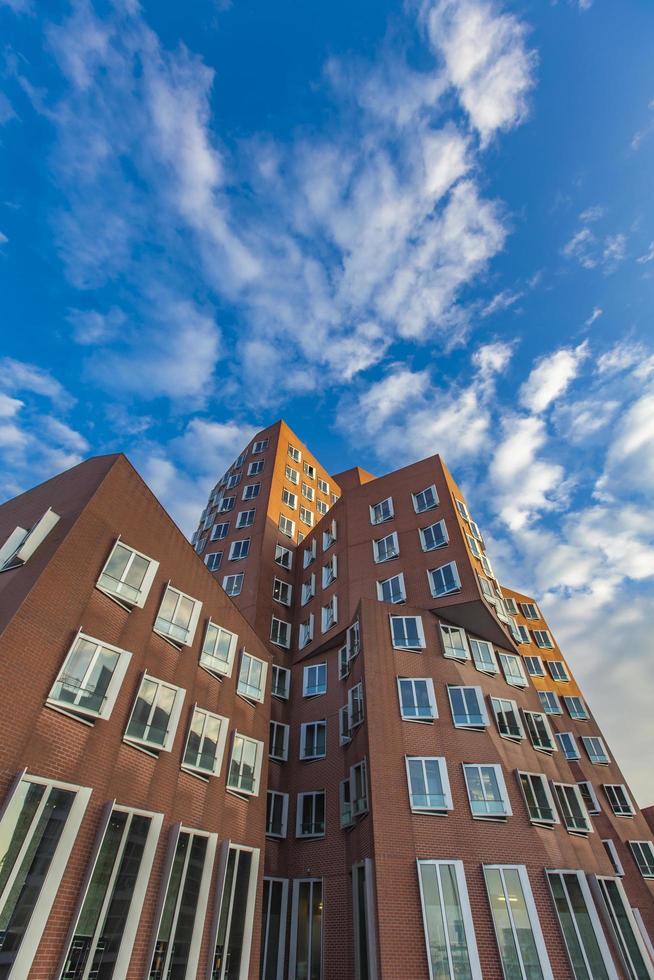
(550, 377)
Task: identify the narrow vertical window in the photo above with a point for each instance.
(589, 954)
(447, 919)
(305, 960)
(519, 937)
(233, 935)
(273, 928)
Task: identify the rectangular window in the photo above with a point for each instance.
(392, 589)
(308, 492)
(539, 731)
(90, 678)
(462, 509)
(417, 698)
(306, 632)
(245, 765)
(523, 634)
(286, 526)
(258, 447)
(384, 549)
(330, 572)
(572, 808)
(345, 801)
(619, 800)
(483, 656)
(276, 814)
(530, 610)
(583, 934)
(178, 616)
(305, 954)
(306, 516)
(313, 740)
(256, 467)
(239, 549)
(281, 682)
(218, 650)
(425, 499)
(517, 929)
(310, 814)
(595, 749)
(455, 642)
(283, 556)
(626, 933)
(612, 852)
(329, 616)
(213, 560)
(205, 743)
(278, 747)
(589, 796)
(309, 589)
(353, 640)
(643, 852)
(321, 507)
(434, 536)
(220, 531)
(557, 670)
(568, 745)
(128, 575)
(507, 718)
(233, 584)
(294, 453)
(323, 486)
(429, 787)
(474, 546)
(534, 666)
(355, 706)
(488, 568)
(538, 798)
(226, 504)
(292, 475)
(233, 481)
(155, 715)
(550, 703)
(576, 707)
(280, 632)
(543, 639)
(344, 733)
(383, 511)
(282, 591)
(181, 920)
(447, 921)
(514, 672)
(310, 471)
(487, 791)
(315, 680)
(468, 709)
(407, 632)
(273, 932)
(444, 580)
(309, 554)
(233, 928)
(252, 678)
(38, 829)
(245, 518)
(329, 536)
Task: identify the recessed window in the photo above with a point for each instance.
(568, 745)
(315, 680)
(245, 518)
(294, 453)
(550, 703)
(619, 800)
(557, 670)
(22, 542)
(407, 632)
(483, 656)
(595, 749)
(258, 447)
(219, 531)
(330, 572)
(353, 639)
(205, 743)
(245, 765)
(306, 632)
(276, 814)
(425, 499)
(571, 806)
(355, 706)
(280, 632)
(306, 516)
(612, 852)
(392, 589)
(512, 669)
(329, 536)
(384, 549)
(329, 614)
(90, 678)
(233, 584)
(383, 511)
(292, 475)
(239, 549)
(213, 560)
(278, 745)
(643, 852)
(308, 492)
(538, 798)
(286, 526)
(589, 796)
(310, 816)
(522, 634)
(218, 650)
(321, 507)
(543, 639)
(417, 698)
(447, 921)
(256, 467)
(539, 731)
(467, 704)
(310, 471)
(530, 610)
(462, 509)
(178, 616)
(534, 665)
(155, 715)
(487, 792)
(128, 575)
(429, 787)
(507, 718)
(455, 642)
(252, 678)
(520, 939)
(282, 591)
(309, 554)
(344, 732)
(283, 556)
(313, 740)
(444, 579)
(434, 536)
(323, 486)
(281, 682)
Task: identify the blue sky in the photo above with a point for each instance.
(406, 229)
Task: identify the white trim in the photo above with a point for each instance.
(466, 914)
(173, 717)
(260, 696)
(501, 785)
(532, 914)
(600, 938)
(146, 585)
(445, 783)
(614, 857)
(193, 621)
(420, 630)
(229, 663)
(113, 687)
(248, 926)
(542, 778)
(36, 535)
(220, 742)
(431, 696)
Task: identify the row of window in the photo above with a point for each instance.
(310, 809)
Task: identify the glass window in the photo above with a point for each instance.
(355, 705)
(507, 718)
(444, 579)
(589, 796)
(517, 929)
(462, 509)
(205, 743)
(543, 639)
(281, 682)
(576, 708)
(306, 516)
(155, 715)
(305, 956)
(571, 806)
(474, 546)
(383, 511)
(278, 747)
(245, 518)
(386, 548)
(483, 656)
(256, 467)
(539, 731)
(90, 678)
(286, 526)
(568, 745)
(513, 670)
(315, 680)
(625, 928)
(310, 815)
(251, 491)
(218, 650)
(220, 531)
(273, 931)
(558, 670)
(643, 852)
(434, 536)
(595, 749)
(306, 632)
(245, 765)
(239, 549)
(550, 703)
(417, 698)
(226, 504)
(455, 642)
(280, 632)
(429, 787)
(359, 788)
(345, 801)
(534, 665)
(213, 559)
(292, 474)
(487, 791)
(258, 447)
(447, 919)
(329, 614)
(283, 556)
(282, 591)
(233, 584)
(309, 589)
(619, 800)
(310, 470)
(530, 610)
(425, 499)
(323, 486)
(178, 616)
(584, 939)
(252, 677)
(128, 575)
(407, 632)
(468, 709)
(235, 918)
(329, 571)
(538, 798)
(612, 853)
(313, 740)
(392, 589)
(276, 814)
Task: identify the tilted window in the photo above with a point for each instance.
(155, 715)
(434, 536)
(429, 787)
(444, 579)
(205, 742)
(573, 810)
(252, 677)
(407, 632)
(538, 798)
(90, 678)
(178, 616)
(507, 718)
(467, 704)
(245, 765)
(417, 698)
(487, 791)
(425, 499)
(218, 650)
(455, 642)
(128, 575)
(383, 511)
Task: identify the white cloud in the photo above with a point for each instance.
(630, 459)
(3, 238)
(595, 315)
(92, 327)
(22, 376)
(551, 377)
(502, 301)
(593, 213)
(593, 252)
(621, 357)
(647, 256)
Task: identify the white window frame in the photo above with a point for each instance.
(483, 665)
(439, 572)
(539, 821)
(501, 785)
(215, 665)
(556, 671)
(219, 531)
(323, 486)
(473, 545)
(498, 706)
(305, 632)
(445, 784)
(454, 652)
(306, 674)
(148, 579)
(256, 467)
(421, 644)
(532, 915)
(259, 695)
(388, 516)
(614, 857)
(292, 475)
(308, 492)
(286, 526)
(638, 848)
(314, 794)
(220, 743)
(593, 756)
(568, 700)
(259, 446)
(239, 790)
(306, 516)
(243, 548)
(309, 554)
(213, 566)
(550, 702)
(22, 543)
(561, 792)
(354, 697)
(330, 571)
(289, 593)
(590, 789)
(272, 795)
(543, 639)
(308, 589)
(612, 799)
(444, 931)
(431, 697)
(533, 660)
(278, 642)
(303, 739)
(393, 550)
(193, 622)
(561, 738)
(446, 538)
(462, 509)
(431, 506)
(596, 926)
(242, 518)
(285, 740)
(236, 579)
(329, 615)
(480, 704)
(545, 720)
(530, 610)
(329, 536)
(401, 593)
(513, 679)
(173, 718)
(285, 672)
(309, 470)
(114, 686)
(294, 453)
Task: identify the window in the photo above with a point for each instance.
(329, 571)
(550, 703)
(455, 642)
(530, 610)
(534, 666)
(612, 852)
(273, 931)
(305, 953)
(256, 467)
(315, 680)
(517, 929)
(233, 481)
(308, 492)
(468, 709)
(306, 516)
(513, 670)
(344, 733)
(213, 560)
(462, 509)
(643, 852)
(343, 663)
(281, 682)
(323, 486)
(259, 446)
(226, 504)
(286, 526)
(278, 747)
(329, 614)
(487, 792)
(283, 556)
(589, 796)
(383, 511)
(572, 808)
(434, 536)
(233, 584)
(321, 507)
(245, 518)
(425, 499)
(568, 745)
(218, 650)
(313, 740)
(429, 787)
(543, 639)
(386, 548)
(447, 920)
(595, 749)
(507, 718)
(523, 635)
(355, 705)
(539, 731)
(128, 575)
(359, 788)
(310, 814)
(90, 678)
(538, 798)
(239, 549)
(280, 632)
(306, 632)
(584, 938)
(392, 589)
(576, 707)
(108, 919)
(155, 715)
(483, 656)
(205, 742)
(282, 591)
(557, 670)
(38, 829)
(329, 536)
(417, 698)
(252, 678)
(220, 531)
(625, 929)
(619, 800)
(245, 765)
(294, 453)
(345, 803)
(276, 814)
(407, 632)
(309, 554)
(444, 580)
(21, 543)
(486, 565)
(473, 545)
(353, 639)
(178, 616)
(310, 471)
(232, 934)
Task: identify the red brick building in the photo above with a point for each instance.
(371, 761)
